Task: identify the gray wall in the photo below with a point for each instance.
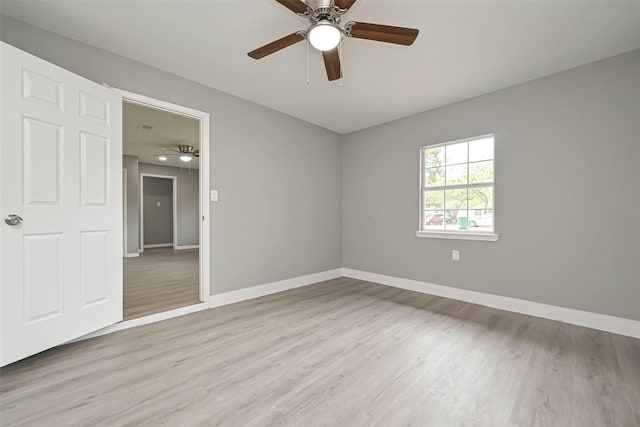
(130, 163)
(157, 202)
(567, 197)
(188, 201)
(279, 214)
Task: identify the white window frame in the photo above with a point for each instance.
(455, 234)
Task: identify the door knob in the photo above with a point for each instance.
(13, 219)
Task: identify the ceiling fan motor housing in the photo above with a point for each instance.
(186, 149)
(324, 10)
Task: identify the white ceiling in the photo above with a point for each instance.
(167, 131)
(464, 48)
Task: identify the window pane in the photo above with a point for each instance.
(481, 198)
(433, 220)
(451, 219)
(481, 221)
(434, 199)
(456, 199)
(456, 153)
(481, 149)
(481, 172)
(457, 174)
(433, 157)
(434, 177)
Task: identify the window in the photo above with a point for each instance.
(457, 189)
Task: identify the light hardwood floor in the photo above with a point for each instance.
(339, 353)
(160, 279)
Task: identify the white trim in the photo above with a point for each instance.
(271, 288)
(159, 245)
(132, 254)
(158, 104)
(487, 237)
(140, 250)
(125, 245)
(204, 173)
(205, 204)
(603, 322)
(152, 318)
(174, 201)
(186, 247)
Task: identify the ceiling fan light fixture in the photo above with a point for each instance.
(324, 35)
(186, 158)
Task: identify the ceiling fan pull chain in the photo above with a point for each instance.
(308, 64)
(341, 62)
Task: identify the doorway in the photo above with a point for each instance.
(166, 262)
(159, 210)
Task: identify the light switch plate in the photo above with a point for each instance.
(455, 255)
(214, 195)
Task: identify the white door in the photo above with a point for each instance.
(60, 171)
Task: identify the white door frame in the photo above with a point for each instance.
(125, 213)
(204, 173)
(174, 200)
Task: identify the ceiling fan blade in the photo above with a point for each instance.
(382, 33)
(275, 46)
(332, 64)
(296, 6)
(162, 155)
(344, 4)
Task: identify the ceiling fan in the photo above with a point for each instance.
(186, 153)
(325, 32)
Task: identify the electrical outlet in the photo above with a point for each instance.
(455, 255)
(158, 204)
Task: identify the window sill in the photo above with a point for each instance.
(457, 235)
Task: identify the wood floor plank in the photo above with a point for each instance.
(339, 353)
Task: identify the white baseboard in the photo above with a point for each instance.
(603, 322)
(272, 288)
(158, 245)
(187, 247)
(145, 320)
(131, 255)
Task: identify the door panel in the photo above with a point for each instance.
(94, 175)
(43, 280)
(60, 162)
(94, 108)
(41, 154)
(94, 264)
(39, 88)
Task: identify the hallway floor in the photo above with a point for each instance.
(160, 279)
